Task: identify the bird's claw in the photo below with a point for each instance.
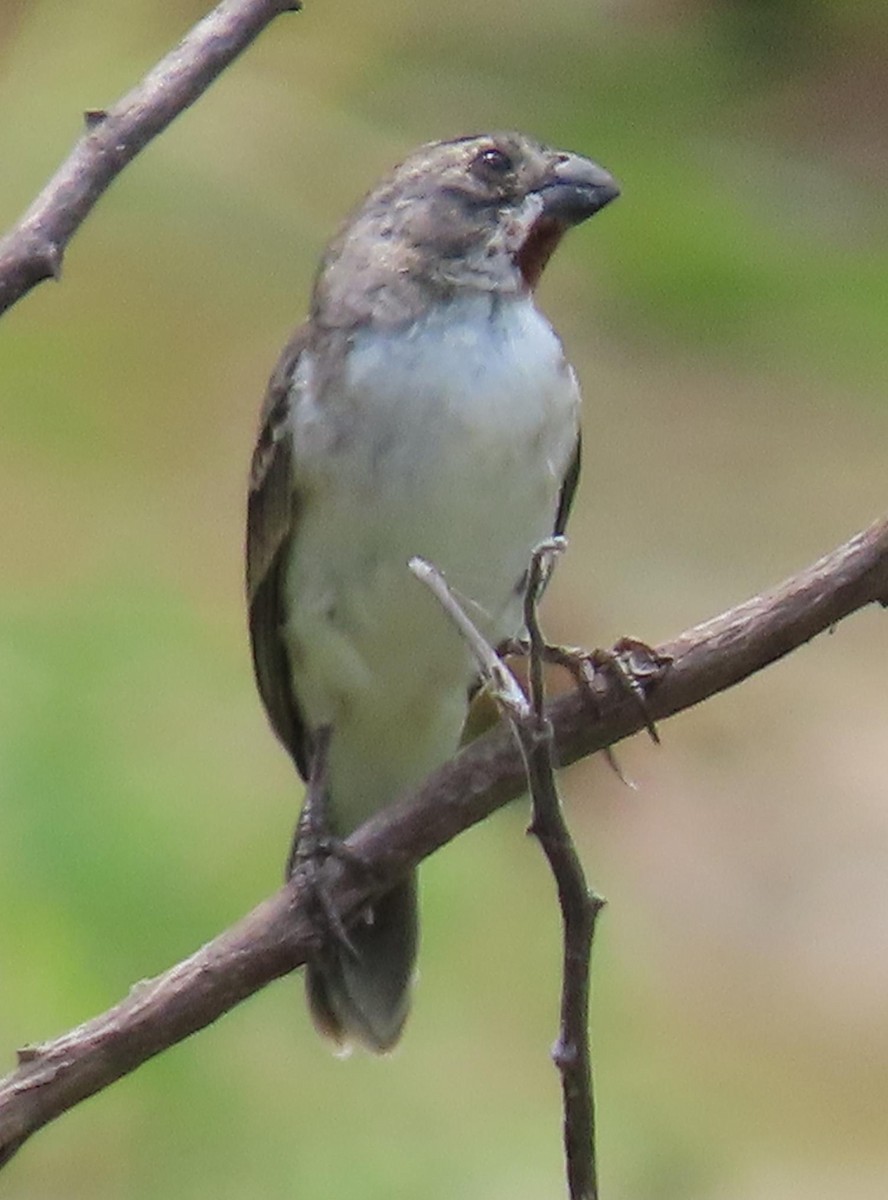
(308, 857)
(314, 842)
(634, 665)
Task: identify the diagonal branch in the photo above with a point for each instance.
(33, 249)
(278, 935)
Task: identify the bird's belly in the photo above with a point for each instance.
(463, 469)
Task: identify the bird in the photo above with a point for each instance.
(426, 409)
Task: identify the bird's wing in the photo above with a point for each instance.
(568, 489)
(271, 516)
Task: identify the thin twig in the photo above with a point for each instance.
(34, 248)
(278, 935)
(503, 684)
(579, 910)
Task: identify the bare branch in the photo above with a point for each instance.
(505, 687)
(277, 936)
(579, 910)
(34, 248)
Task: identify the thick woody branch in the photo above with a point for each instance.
(278, 935)
(33, 249)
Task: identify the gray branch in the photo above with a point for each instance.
(34, 248)
(278, 935)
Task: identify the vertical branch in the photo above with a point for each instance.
(579, 907)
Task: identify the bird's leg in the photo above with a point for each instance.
(314, 842)
(311, 837)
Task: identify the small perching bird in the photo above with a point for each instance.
(425, 408)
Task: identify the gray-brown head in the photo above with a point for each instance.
(483, 212)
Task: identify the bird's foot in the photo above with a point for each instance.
(314, 842)
(634, 665)
(308, 858)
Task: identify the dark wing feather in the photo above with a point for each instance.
(568, 489)
(271, 515)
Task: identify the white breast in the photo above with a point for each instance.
(451, 442)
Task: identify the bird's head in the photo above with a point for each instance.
(483, 212)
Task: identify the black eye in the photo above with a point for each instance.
(494, 160)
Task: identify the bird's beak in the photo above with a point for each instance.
(573, 190)
(576, 188)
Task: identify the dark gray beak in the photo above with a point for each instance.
(575, 189)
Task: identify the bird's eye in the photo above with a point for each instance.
(496, 161)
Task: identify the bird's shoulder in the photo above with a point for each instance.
(270, 496)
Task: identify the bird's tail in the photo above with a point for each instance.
(363, 994)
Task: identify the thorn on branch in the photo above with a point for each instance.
(47, 259)
(614, 763)
(564, 1055)
(94, 116)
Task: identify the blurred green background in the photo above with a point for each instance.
(728, 320)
